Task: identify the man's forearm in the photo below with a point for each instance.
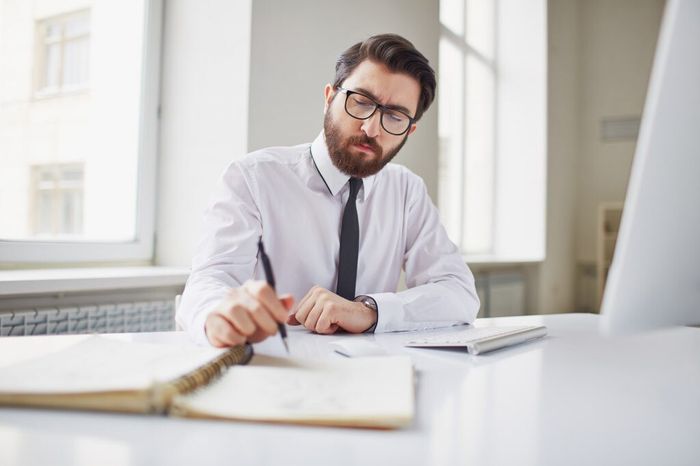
(431, 305)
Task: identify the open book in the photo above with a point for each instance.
(105, 374)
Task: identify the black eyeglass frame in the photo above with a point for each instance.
(377, 105)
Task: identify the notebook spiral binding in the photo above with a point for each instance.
(163, 394)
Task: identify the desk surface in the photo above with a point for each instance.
(575, 397)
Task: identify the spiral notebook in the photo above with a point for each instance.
(105, 374)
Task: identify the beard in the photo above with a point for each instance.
(353, 164)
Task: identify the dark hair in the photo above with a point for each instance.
(397, 54)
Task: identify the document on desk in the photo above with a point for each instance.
(478, 340)
(106, 374)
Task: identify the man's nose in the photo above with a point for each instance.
(372, 125)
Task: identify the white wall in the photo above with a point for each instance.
(600, 57)
(552, 288)
(618, 40)
(204, 123)
(294, 48)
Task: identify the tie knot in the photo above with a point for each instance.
(355, 184)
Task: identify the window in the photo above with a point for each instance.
(78, 130)
(63, 53)
(467, 138)
(492, 127)
(58, 200)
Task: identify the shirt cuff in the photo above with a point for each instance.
(197, 331)
(391, 314)
(192, 315)
(376, 310)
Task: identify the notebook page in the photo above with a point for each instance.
(101, 364)
(277, 389)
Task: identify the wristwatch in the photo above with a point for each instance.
(372, 304)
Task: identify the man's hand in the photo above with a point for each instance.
(249, 313)
(323, 311)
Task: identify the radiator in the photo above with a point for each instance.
(141, 316)
(502, 293)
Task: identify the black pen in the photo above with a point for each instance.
(271, 281)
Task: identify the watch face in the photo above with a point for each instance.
(369, 302)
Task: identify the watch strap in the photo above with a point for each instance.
(371, 303)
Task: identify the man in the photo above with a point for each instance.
(337, 220)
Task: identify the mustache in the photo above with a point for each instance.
(366, 140)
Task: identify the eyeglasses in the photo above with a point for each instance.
(362, 107)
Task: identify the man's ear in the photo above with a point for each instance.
(327, 97)
(412, 129)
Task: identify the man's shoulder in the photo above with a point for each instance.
(395, 173)
(262, 163)
(275, 155)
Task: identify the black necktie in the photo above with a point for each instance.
(349, 244)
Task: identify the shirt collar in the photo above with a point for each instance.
(334, 178)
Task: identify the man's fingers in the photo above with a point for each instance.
(238, 315)
(325, 324)
(264, 294)
(249, 313)
(260, 314)
(292, 319)
(304, 307)
(299, 306)
(312, 317)
(287, 301)
(305, 300)
(221, 333)
(233, 310)
(258, 336)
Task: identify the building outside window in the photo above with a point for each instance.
(57, 200)
(63, 53)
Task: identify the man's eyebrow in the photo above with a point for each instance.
(368, 93)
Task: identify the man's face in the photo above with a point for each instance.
(361, 148)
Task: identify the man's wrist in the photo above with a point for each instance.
(369, 303)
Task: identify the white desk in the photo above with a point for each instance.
(573, 398)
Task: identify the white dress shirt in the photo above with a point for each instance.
(294, 198)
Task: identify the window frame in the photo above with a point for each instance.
(142, 247)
